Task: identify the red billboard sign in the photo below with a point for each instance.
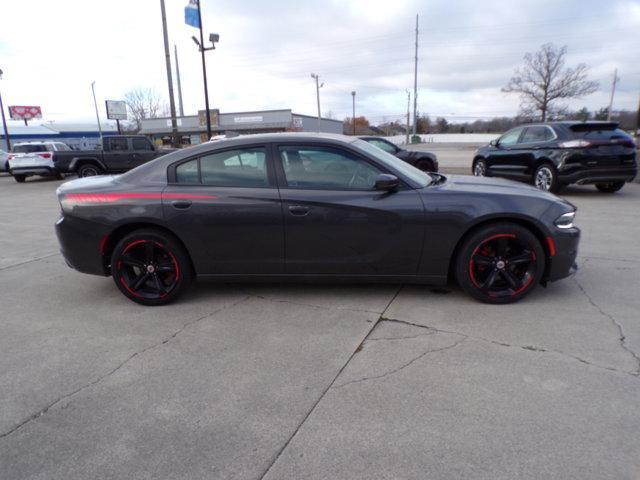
(24, 112)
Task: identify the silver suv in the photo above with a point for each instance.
(35, 158)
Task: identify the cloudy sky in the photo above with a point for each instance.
(50, 52)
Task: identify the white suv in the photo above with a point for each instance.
(35, 158)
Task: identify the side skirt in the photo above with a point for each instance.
(327, 278)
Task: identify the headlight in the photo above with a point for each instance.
(565, 220)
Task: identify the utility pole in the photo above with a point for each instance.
(613, 91)
(95, 104)
(167, 56)
(353, 118)
(316, 77)
(408, 113)
(204, 74)
(637, 121)
(6, 129)
(415, 82)
(180, 106)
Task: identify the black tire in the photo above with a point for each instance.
(151, 267)
(425, 166)
(59, 176)
(610, 187)
(546, 178)
(479, 168)
(500, 263)
(88, 170)
(20, 178)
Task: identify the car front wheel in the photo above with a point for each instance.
(500, 263)
(480, 168)
(610, 187)
(20, 178)
(425, 166)
(150, 267)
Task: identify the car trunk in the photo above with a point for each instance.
(606, 144)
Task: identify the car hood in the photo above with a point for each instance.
(494, 186)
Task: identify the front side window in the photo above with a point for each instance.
(511, 137)
(387, 147)
(326, 168)
(537, 134)
(233, 168)
(118, 144)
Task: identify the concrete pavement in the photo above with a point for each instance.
(286, 381)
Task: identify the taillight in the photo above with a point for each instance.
(45, 155)
(11, 156)
(575, 144)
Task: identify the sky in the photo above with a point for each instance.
(51, 51)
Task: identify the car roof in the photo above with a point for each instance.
(285, 136)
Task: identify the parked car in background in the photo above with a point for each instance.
(425, 161)
(35, 158)
(551, 155)
(119, 154)
(4, 161)
(302, 207)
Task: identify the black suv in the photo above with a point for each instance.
(554, 154)
(425, 161)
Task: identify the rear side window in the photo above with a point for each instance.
(118, 144)
(29, 148)
(537, 134)
(141, 144)
(233, 168)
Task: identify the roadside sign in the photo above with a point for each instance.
(24, 112)
(116, 109)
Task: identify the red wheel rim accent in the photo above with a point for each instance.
(147, 269)
(502, 265)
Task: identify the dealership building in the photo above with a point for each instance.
(193, 128)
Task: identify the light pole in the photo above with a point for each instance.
(4, 121)
(95, 104)
(353, 118)
(316, 77)
(167, 58)
(213, 38)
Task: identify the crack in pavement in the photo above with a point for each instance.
(531, 348)
(402, 367)
(618, 326)
(324, 392)
(164, 341)
(43, 257)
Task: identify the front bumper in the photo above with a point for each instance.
(563, 263)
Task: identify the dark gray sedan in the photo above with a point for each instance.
(302, 207)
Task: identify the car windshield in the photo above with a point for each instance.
(421, 178)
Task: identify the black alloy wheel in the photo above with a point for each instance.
(150, 267)
(610, 187)
(500, 263)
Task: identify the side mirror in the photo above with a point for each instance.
(494, 142)
(385, 181)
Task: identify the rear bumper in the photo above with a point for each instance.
(563, 263)
(80, 243)
(39, 170)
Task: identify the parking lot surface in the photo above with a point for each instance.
(318, 381)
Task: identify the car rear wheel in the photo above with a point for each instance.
(480, 168)
(610, 187)
(20, 178)
(500, 263)
(89, 170)
(150, 267)
(546, 178)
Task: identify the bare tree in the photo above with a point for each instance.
(144, 103)
(543, 80)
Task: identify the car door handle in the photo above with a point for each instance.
(181, 204)
(298, 210)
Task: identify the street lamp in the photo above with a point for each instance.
(316, 77)
(4, 121)
(353, 118)
(213, 38)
